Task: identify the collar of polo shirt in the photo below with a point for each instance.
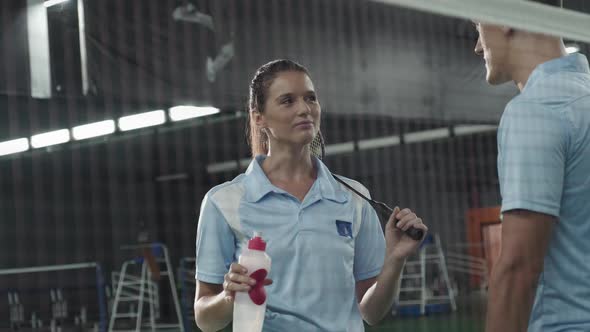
(257, 184)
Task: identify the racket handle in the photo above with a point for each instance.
(415, 233)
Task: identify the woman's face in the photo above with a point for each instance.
(292, 111)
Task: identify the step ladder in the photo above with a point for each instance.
(17, 312)
(424, 284)
(134, 289)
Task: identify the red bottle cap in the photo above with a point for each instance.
(257, 243)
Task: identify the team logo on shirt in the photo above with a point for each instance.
(344, 228)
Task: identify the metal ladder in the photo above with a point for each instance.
(17, 312)
(415, 273)
(137, 289)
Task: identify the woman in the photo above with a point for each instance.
(332, 266)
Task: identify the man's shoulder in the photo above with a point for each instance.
(526, 121)
(524, 108)
(538, 104)
(557, 90)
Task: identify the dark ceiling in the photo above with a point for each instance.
(367, 60)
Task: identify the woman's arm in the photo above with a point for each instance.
(213, 311)
(376, 295)
(215, 245)
(214, 303)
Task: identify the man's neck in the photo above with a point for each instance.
(541, 51)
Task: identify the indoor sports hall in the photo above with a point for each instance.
(117, 118)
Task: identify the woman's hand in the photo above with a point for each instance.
(238, 280)
(400, 246)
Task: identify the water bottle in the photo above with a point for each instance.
(249, 307)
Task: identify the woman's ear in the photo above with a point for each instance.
(258, 119)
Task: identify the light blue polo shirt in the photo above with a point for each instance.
(544, 166)
(319, 247)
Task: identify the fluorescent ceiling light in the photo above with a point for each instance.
(50, 3)
(14, 146)
(221, 167)
(371, 143)
(572, 48)
(50, 138)
(178, 113)
(426, 135)
(227, 166)
(245, 162)
(339, 148)
(93, 129)
(172, 177)
(142, 120)
(379, 142)
(461, 130)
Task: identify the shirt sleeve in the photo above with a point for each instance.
(532, 149)
(215, 244)
(369, 253)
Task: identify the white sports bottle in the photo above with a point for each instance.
(249, 307)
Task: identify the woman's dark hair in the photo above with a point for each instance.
(259, 86)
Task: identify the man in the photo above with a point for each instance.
(541, 281)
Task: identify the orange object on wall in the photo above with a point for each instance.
(484, 231)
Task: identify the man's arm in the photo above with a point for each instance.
(525, 239)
